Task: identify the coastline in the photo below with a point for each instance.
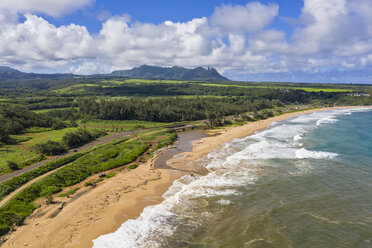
(103, 209)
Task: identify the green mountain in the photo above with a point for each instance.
(7, 72)
(173, 73)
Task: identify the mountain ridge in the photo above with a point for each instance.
(171, 73)
(141, 72)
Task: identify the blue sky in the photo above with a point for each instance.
(159, 11)
(279, 40)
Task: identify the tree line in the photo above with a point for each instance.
(171, 109)
(15, 120)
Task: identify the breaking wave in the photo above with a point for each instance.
(237, 164)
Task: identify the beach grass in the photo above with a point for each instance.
(69, 192)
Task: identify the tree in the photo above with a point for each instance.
(50, 148)
(12, 165)
(58, 125)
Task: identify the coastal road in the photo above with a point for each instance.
(106, 139)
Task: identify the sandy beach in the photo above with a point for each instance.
(102, 209)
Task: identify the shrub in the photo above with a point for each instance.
(12, 165)
(49, 198)
(58, 125)
(111, 175)
(68, 193)
(133, 166)
(50, 148)
(89, 183)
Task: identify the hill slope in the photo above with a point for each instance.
(7, 72)
(173, 73)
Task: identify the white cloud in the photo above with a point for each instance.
(235, 39)
(38, 40)
(269, 41)
(243, 19)
(49, 7)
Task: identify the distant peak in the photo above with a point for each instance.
(173, 73)
(8, 69)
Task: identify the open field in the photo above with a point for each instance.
(308, 89)
(45, 111)
(147, 81)
(15, 154)
(74, 88)
(80, 88)
(54, 135)
(126, 125)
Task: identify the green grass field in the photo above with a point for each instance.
(153, 134)
(308, 89)
(74, 88)
(127, 125)
(15, 154)
(45, 111)
(254, 85)
(146, 81)
(54, 135)
(112, 83)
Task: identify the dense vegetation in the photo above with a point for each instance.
(172, 109)
(15, 182)
(81, 136)
(50, 148)
(15, 120)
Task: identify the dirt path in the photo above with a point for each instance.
(11, 195)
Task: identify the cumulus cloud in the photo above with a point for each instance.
(238, 40)
(243, 19)
(37, 40)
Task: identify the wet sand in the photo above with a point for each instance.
(104, 208)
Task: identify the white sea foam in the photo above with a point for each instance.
(160, 221)
(326, 120)
(304, 153)
(234, 166)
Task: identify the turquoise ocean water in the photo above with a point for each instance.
(303, 182)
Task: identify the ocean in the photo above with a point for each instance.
(303, 182)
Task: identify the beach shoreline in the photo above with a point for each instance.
(103, 209)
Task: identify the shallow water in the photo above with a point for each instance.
(183, 144)
(304, 182)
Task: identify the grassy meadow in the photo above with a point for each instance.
(125, 125)
(53, 135)
(18, 155)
